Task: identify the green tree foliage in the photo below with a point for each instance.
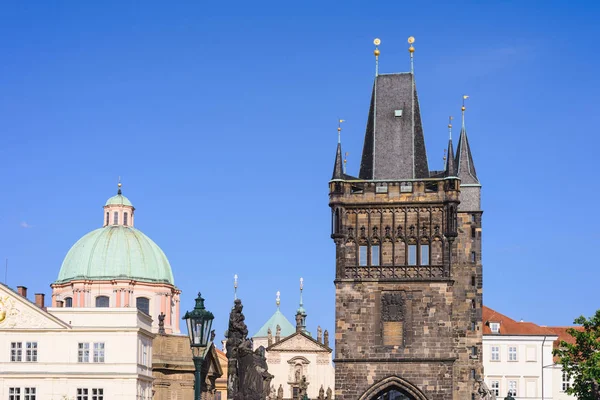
(581, 360)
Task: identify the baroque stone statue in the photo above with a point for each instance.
(329, 395)
(247, 376)
(269, 337)
(280, 393)
(303, 387)
(277, 334)
(482, 390)
(319, 334)
(326, 338)
(321, 393)
(161, 324)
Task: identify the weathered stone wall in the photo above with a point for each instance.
(437, 305)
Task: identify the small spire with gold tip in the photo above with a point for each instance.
(411, 50)
(463, 108)
(278, 299)
(119, 186)
(345, 160)
(444, 158)
(301, 288)
(235, 286)
(340, 129)
(376, 42)
(450, 118)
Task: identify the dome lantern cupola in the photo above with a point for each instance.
(118, 210)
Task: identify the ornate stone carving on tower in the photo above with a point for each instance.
(247, 375)
(408, 259)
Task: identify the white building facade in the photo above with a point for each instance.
(517, 357)
(73, 353)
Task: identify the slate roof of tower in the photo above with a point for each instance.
(394, 147)
(338, 168)
(464, 160)
(450, 167)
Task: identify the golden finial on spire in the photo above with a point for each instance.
(450, 118)
(411, 50)
(376, 42)
(345, 160)
(444, 158)
(278, 299)
(463, 108)
(340, 129)
(119, 186)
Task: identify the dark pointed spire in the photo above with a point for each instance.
(464, 159)
(394, 145)
(450, 165)
(338, 166)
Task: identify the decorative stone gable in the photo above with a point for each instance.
(298, 342)
(17, 312)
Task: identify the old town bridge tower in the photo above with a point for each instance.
(408, 273)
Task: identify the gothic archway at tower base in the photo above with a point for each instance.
(396, 387)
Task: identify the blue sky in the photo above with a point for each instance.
(221, 120)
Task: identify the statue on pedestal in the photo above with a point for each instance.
(247, 375)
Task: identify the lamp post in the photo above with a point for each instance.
(199, 322)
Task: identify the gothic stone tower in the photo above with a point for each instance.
(408, 260)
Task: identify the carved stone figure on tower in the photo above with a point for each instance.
(329, 395)
(321, 393)
(326, 338)
(280, 393)
(319, 334)
(269, 337)
(248, 377)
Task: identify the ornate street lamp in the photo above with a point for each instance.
(199, 322)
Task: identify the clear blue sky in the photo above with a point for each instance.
(221, 119)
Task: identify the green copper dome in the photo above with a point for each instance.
(119, 200)
(116, 252)
(276, 319)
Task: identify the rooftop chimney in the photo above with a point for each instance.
(22, 290)
(39, 299)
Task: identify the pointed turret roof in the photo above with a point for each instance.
(338, 168)
(450, 167)
(464, 159)
(394, 146)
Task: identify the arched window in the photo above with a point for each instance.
(107, 217)
(68, 302)
(392, 394)
(125, 219)
(143, 304)
(115, 218)
(102, 301)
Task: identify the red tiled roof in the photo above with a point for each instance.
(509, 326)
(561, 332)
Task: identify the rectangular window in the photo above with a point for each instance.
(362, 256)
(31, 351)
(98, 352)
(412, 254)
(473, 281)
(495, 327)
(495, 353)
(83, 353)
(473, 326)
(68, 302)
(474, 352)
(512, 387)
(115, 218)
(473, 257)
(125, 219)
(424, 254)
(16, 351)
(30, 393)
(82, 394)
(472, 374)
(375, 255)
(144, 354)
(566, 383)
(473, 232)
(512, 353)
(97, 394)
(496, 388)
(14, 393)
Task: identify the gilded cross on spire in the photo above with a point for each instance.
(278, 299)
(411, 50)
(119, 186)
(376, 42)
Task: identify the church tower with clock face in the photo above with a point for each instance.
(408, 273)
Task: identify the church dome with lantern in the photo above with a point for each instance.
(119, 266)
